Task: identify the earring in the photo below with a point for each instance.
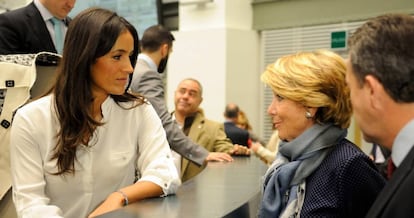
(308, 115)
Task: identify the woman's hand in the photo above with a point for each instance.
(255, 146)
(114, 201)
(240, 150)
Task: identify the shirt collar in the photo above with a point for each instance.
(403, 143)
(148, 60)
(46, 15)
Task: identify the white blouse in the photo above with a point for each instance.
(128, 139)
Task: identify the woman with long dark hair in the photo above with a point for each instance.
(89, 146)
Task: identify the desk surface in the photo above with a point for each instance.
(220, 190)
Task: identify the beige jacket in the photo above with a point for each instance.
(210, 135)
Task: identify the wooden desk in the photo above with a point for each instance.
(220, 190)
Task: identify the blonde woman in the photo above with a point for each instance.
(317, 171)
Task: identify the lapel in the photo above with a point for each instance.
(40, 32)
(196, 128)
(195, 131)
(387, 194)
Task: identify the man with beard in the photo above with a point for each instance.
(156, 45)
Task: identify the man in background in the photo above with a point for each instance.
(190, 117)
(39, 26)
(380, 74)
(156, 45)
(234, 133)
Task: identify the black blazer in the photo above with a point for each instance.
(396, 199)
(23, 31)
(235, 134)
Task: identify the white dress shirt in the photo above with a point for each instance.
(128, 139)
(403, 143)
(46, 17)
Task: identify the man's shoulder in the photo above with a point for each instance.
(201, 119)
(142, 68)
(213, 123)
(29, 9)
(229, 126)
(20, 18)
(143, 73)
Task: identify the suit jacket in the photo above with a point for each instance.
(395, 200)
(235, 134)
(209, 134)
(23, 31)
(149, 83)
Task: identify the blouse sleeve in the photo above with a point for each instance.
(266, 154)
(155, 162)
(27, 171)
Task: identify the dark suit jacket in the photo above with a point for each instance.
(396, 199)
(235, 134)
(149, 83)
(23, 31)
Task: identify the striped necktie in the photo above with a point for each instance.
(57, 25)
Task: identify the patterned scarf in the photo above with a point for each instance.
(284, 181)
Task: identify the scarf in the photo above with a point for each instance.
(295, 161)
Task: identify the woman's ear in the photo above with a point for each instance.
(310, 112)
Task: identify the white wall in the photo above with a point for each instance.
(12, 4)
(243, 73)
(216, 45)
(198, 54)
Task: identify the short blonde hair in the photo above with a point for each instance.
(314, 79)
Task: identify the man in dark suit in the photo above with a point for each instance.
(236, 135)
(29, 29)
(156, 45)
(380, 74)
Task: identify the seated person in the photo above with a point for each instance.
(233, 132)
(208, 133)
(89, 147)
(243, 122)
(156, 46)
(267, 154)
